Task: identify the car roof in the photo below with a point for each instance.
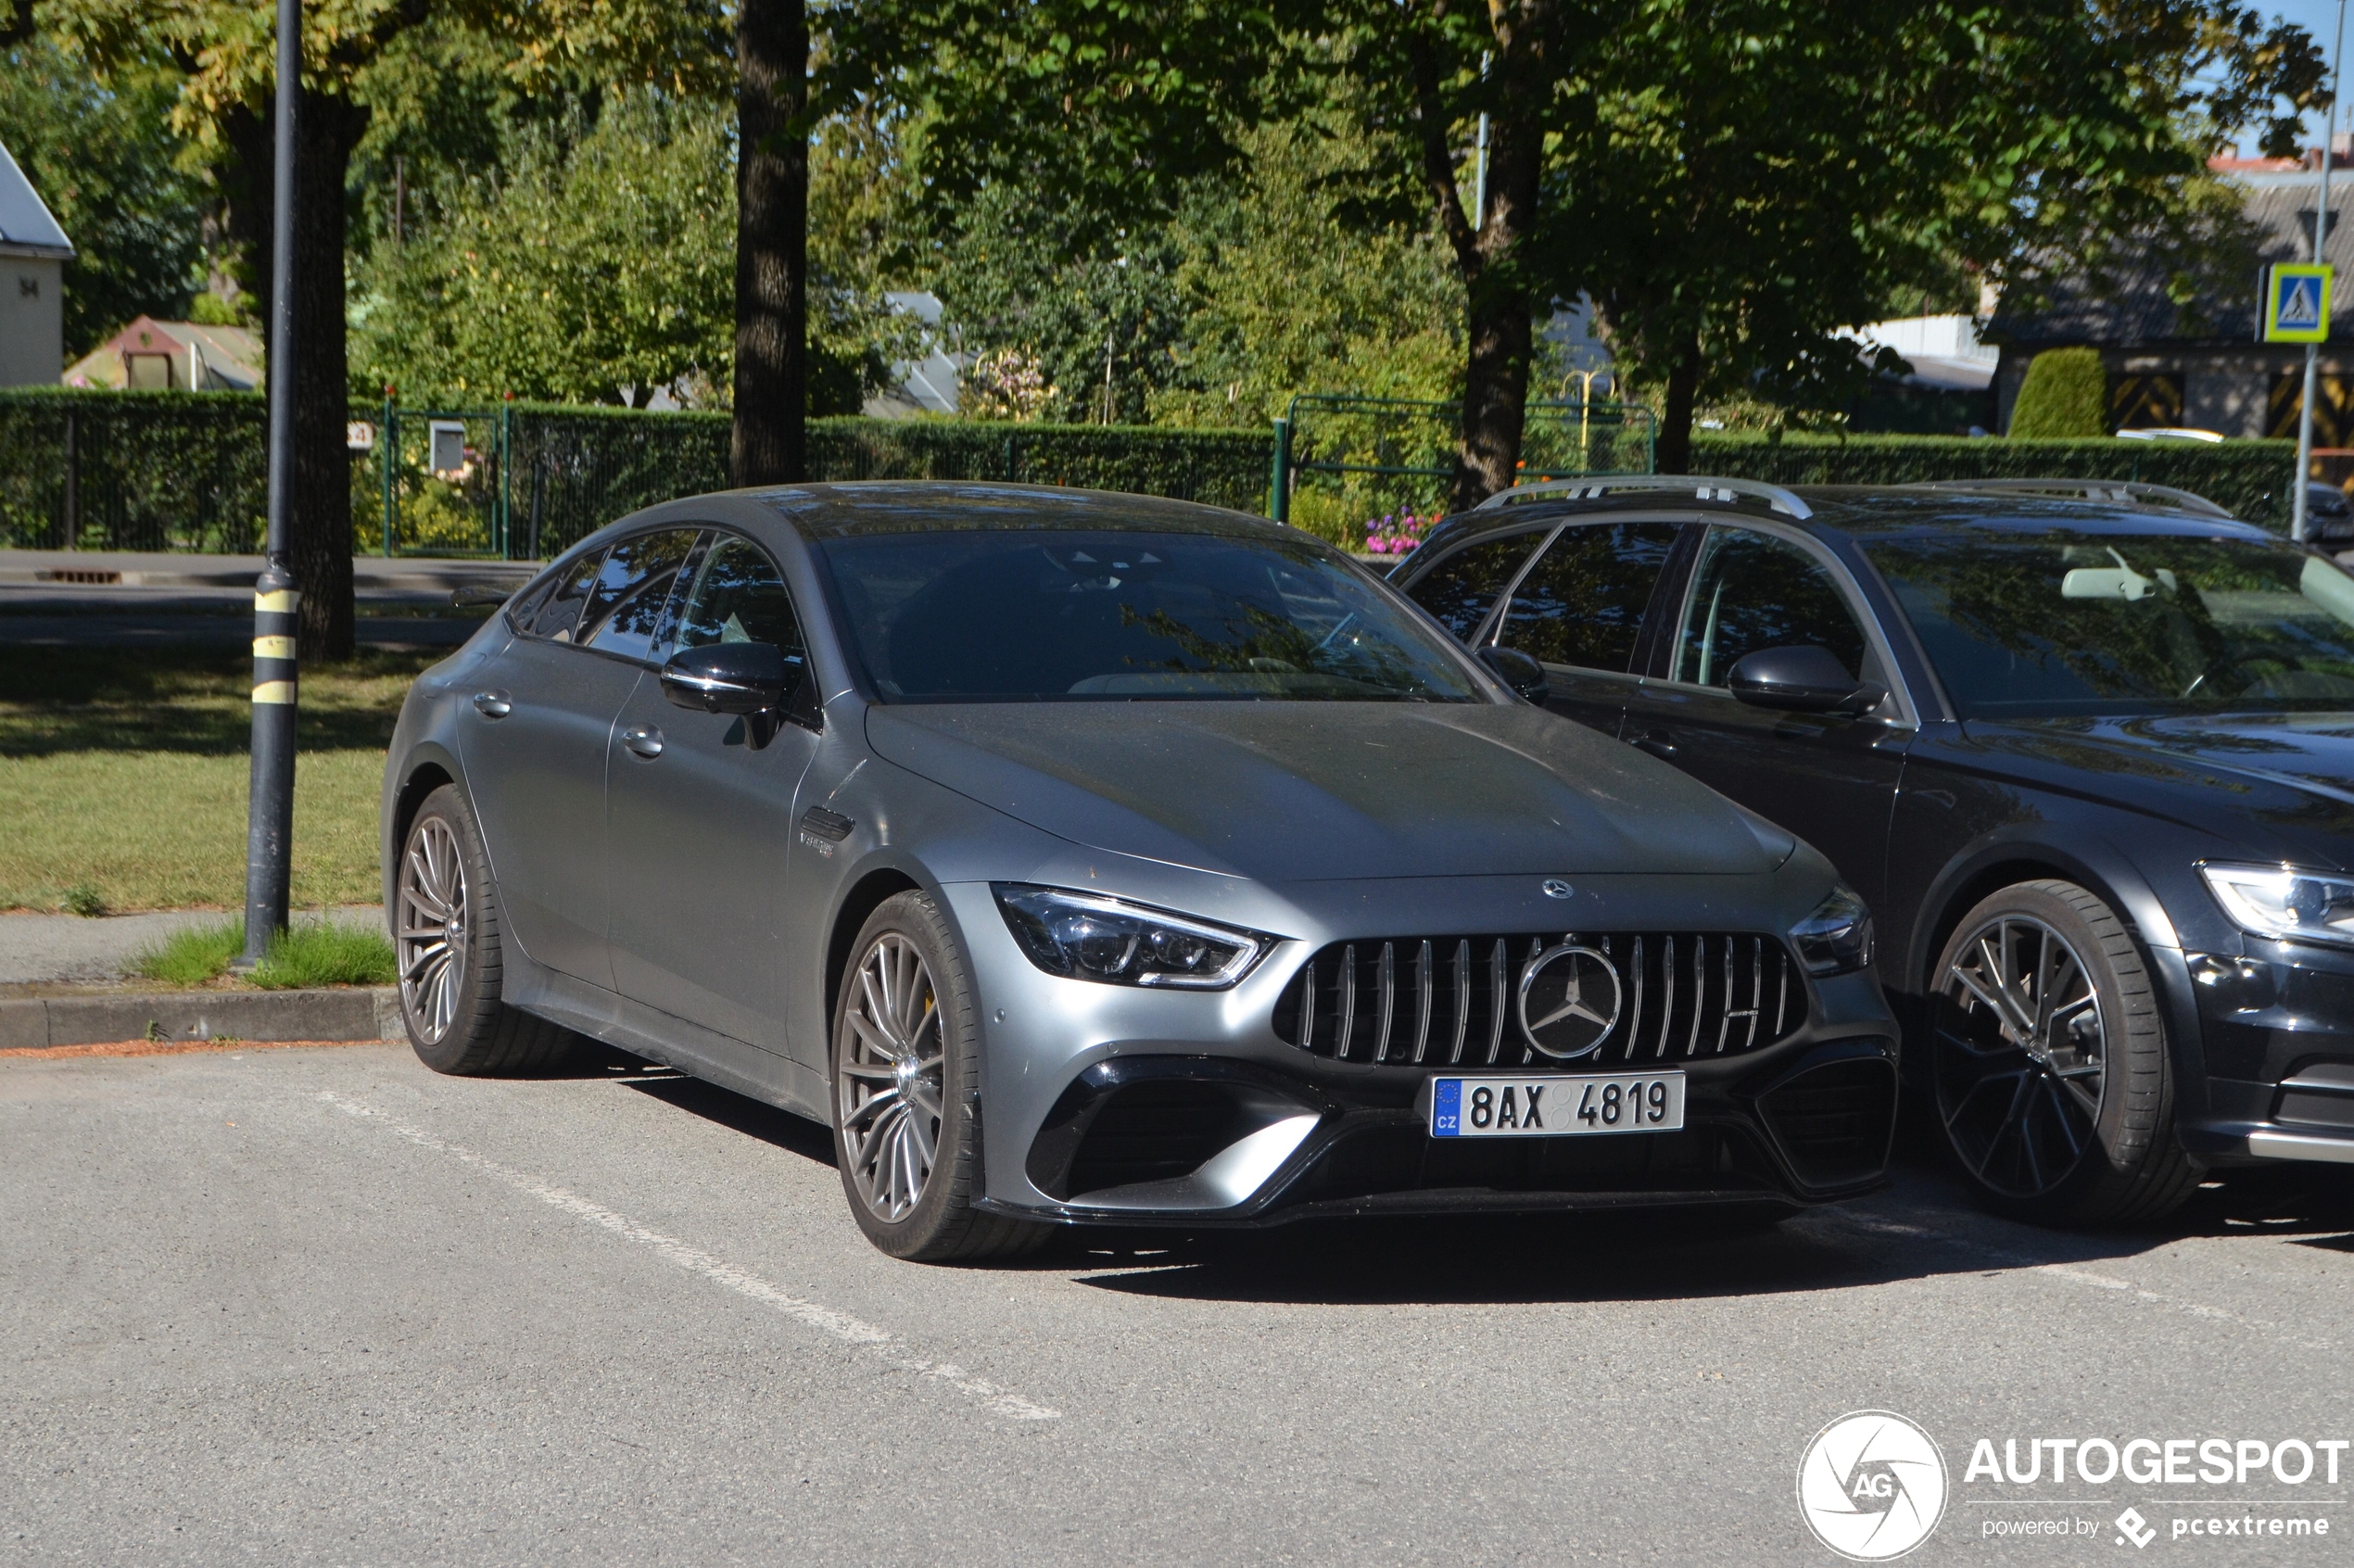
(872, 508)
(1870, 513)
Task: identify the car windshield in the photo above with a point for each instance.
(1032, 615)
(2063, 623)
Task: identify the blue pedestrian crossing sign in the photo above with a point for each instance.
(2297, 303)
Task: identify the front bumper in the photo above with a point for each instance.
(1198, 1140)
(1117, 1105)
(2277, 1024)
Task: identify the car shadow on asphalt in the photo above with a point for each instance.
(1923, 1226)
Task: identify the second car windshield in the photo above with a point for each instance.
(1028, 615)
(2062, 624)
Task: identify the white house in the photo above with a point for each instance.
(33, 252)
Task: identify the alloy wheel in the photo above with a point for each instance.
(2022, 1055)
(889, 1095)
(432, 928)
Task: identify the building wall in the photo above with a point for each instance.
(32, 322)
(2225, 388)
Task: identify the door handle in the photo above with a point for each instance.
(646, 744)
(1656, 744)
(493, 704)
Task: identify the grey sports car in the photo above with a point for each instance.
(1095, 858)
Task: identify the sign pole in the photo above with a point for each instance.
(2314, 349)
(276, 598)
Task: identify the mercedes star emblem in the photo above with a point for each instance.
(1569, 1001)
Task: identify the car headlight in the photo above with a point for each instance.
(1837, 938)
(1087, 936)
(2278, 900)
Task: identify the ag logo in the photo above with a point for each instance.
(1872, 1485)
(1569, 1000)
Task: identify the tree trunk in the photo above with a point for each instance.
(330, 127)
(772, 204)
(1494, 391)
(1675, 422)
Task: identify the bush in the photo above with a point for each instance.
(2250, 479)
(2064, 397)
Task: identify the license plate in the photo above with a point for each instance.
(1556, 1106)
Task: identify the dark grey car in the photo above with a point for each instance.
(1082, 857)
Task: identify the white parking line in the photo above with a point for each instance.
(880, 1343)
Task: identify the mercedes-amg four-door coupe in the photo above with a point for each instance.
(1093, 858)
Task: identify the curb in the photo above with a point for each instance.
(342, 1014)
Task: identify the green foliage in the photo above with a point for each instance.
(2064, 397)
(307, 953)
(104, 158)
(2250, 479)
(83, 900)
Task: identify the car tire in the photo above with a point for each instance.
(2053, 1084)
(905, 1058)
(449, 940)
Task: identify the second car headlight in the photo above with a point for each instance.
(1837, 938)
(2279, 901)
(1087, 936)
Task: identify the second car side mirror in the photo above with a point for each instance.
(729, 678)
(1517, 670)
(1806, 679)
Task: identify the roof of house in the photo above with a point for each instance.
(26, 226)
(2138, 311)
(226, 359)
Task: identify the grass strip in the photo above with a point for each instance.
(306, 954)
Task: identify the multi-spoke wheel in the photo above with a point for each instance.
(432, 929)
(2053, 1083)
(888, 1081)
(446, 938)
(906, 1056)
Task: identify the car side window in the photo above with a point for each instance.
(1752, 590)
(1459, 591)
(624, 607)
(738, 596)
(1583, 602)
(558, 613)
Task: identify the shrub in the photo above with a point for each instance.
(2064, 397)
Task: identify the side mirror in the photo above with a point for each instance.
(1517, 670)
(1802, 681)
(729, 678)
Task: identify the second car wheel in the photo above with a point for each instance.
(2053, 1083)
(906, 1054)
(448, 944)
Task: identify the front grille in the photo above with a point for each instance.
(1452, 1001)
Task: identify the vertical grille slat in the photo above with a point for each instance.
(1463, 998)
(1683, 995)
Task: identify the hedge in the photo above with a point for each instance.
(2250, 479)
(185, 470)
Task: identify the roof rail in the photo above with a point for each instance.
(1700, 487)
(2120, 491)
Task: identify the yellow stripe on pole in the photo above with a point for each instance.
(283, 602)
(275, 691)
(273, 648)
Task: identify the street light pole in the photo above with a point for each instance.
(270, 803)
(2313, 351)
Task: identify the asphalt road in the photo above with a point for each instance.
(322, 1307)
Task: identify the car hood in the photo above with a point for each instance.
(1286, 791)
(2290, 774)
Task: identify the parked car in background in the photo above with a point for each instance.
(1099, 859)
(2087, 749)
(2329, 517)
